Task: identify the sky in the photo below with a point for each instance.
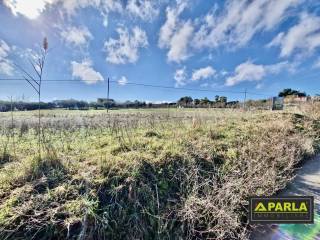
(197, 48)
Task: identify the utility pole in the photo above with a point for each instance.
(245, 98)
(108, 95)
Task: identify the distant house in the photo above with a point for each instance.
(315, 98)
(296, 99)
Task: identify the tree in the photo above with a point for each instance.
(223, 99)
(185, 101)
(205, 101)
(196, 101)
(290, 92)
(35, 82)
(220, 101)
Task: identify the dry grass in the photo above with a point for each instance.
(167, 174)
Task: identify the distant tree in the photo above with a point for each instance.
(233, 104)
(223, 99)
(109, 103)
(136, 104)
(95, 105)
(220, 101)
(290, 92)
(196, 101)
(216, 98)
(205, 101)
(185, 101)
(106, 103)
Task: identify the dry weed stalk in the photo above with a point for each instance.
(36, 82)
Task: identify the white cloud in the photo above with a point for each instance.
(145, 9)
(123, 81)
(304, 36)
(5, 64)
(240, 21)
(71, 6)
(33, 9)
(180, 76)
(4, 49)
(175, 34)
(249, 71)
(85, 72)
(246, 72)
(203, 73)
(179, 43)
(30, 9)
(281, 66)
(126, 48)
(78, 36)
(169, 27)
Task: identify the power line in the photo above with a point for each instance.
(141, 84)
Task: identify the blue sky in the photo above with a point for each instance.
(226, 46)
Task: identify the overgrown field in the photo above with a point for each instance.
(142, 174)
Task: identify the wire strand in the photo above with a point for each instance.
(140, 84)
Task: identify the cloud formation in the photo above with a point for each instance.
(251, 72)
(145, 10)
(5, 64)
(175, 34)
(203, 73)
(85, 72)
(29, 9)
(77, 36)
(126, 48)
(180, 77)
(240, 21)
(303, 37)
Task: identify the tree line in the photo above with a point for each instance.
(218, 101)
(103, 103)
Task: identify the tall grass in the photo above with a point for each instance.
(182, 174)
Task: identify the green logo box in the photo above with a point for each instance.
(291, 209)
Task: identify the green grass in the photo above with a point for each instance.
(144, 174)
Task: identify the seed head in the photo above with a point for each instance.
(45, 44)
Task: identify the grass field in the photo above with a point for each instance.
(145, 174)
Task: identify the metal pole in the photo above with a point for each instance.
(245, 98)
(108, 95)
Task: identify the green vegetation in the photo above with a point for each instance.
(145, 174)
(290, 92)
